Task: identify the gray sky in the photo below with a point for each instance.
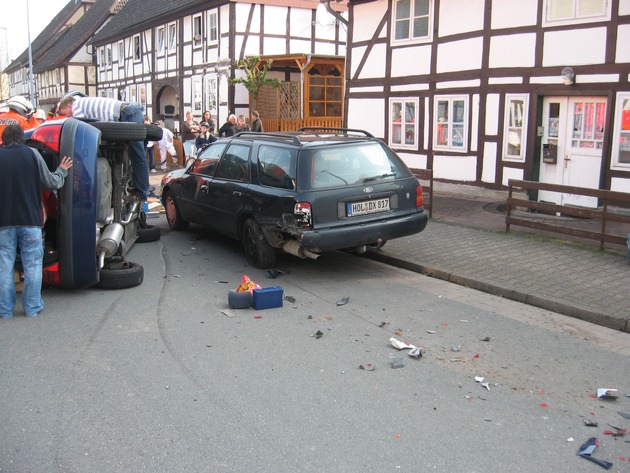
(13, 23)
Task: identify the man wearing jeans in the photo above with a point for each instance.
(23, 176)
(112, 110)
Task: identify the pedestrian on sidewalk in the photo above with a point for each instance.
(229, 127)
(23, 176)
(112, 110)
(256, 122)
(190, 131)
(165, 145)
(205, 137)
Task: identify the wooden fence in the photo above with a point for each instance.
(613, 211)
(293, 124)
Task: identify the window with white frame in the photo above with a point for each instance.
(516, 112)
(450, 123)
(403, 123)
(121, 53)
(576, 11)
(197, 28)
(621, 133)
(213, 28)
(412, 20)
(160, 41)
(172, 37)
(101, 58)
(137, 48)
(108, 56)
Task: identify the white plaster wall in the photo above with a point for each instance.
(460, 16)
(513, 13)
(459, 168)
(573, 47)
(512, 173)
(413, 160)
(320, 48)
(488, 171)
(275, 19)
(368, 115)
(623, 43)
(255, 26)
(492, 114)
(624, 7)
(620, 185)
(300, 20)
(368, 16)
(460, 55)
(513, 50)
(375, 64)
(76, 74)
(273, 46)
(411, 61)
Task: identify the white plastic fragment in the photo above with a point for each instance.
(606, 393)
(399, 344)
(486, 385)
(479, 379)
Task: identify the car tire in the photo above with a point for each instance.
(258, 252)
(173, 215)
(121, 131)
(119, 274)
(154, 133)
(148, 233)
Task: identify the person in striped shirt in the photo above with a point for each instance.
(112, 110)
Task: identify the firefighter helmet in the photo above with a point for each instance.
(21, 105)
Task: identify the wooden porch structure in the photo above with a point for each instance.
(316, 99)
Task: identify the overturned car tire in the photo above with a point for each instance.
(121, 131)
(154, 132)
(121, 275)
(148, 234)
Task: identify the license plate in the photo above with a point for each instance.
(367, 207)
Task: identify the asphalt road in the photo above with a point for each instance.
(157, 378)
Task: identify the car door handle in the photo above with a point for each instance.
(237, 194)
(204, 188)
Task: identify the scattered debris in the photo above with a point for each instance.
(605, 393)
(273, 273)
(431, 331)
(486, 385)
(589, 423)
(570, 439)
(309, 317)
(382, 324)
(223, 282)
(479, 379)
(318, 334)
(624, 414)
(289, 298)
(617, 432)
(229, 312)
(415, 352)
(587, 448)
(367, 367)
(486, 339)
(457, 348)
(397, 363)
(343, 301)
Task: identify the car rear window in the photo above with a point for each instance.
(352, 164)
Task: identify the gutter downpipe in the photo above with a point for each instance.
(308, 62)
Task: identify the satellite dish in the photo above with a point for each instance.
(323, 17)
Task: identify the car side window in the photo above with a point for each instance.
(234, 163)
(207, 161)
(276, 166)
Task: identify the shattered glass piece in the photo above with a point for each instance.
(587, 448)
(397, 363)
(343, 301)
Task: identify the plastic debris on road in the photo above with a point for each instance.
(414, 351)
(397, 363)
(588, 448)
(318, 334)
(367, 367)
(605, 393)
(343, 301)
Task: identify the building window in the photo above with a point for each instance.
(196, 30)
(109, 57)
(412, 19)
(403, 125)
(172, 37)
(213, 29)
(160, 41)
(137, 48)
(121, 52)
(621, 138)
(325, 96)
(101, 58)
(450, 130)
(516, 108)
(576, 11)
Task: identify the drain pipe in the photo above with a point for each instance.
(334, 13)
(308, 63)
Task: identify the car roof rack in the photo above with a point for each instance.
(274, 135)
(335, 129)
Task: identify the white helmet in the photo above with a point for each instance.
(21, 105)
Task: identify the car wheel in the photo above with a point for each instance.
(120, 274)
(257, 251)
(148, 233)
(154, 132)
(173, 216)
(121, 131)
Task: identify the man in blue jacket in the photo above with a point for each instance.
(23, 176)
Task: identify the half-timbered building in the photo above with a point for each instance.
(179, 56)
(481, 91)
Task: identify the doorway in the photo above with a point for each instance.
(573, 136)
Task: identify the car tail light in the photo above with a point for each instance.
(419, 197)
(303, 214)
(51, 275)
(48, 135)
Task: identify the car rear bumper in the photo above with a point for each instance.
(351, 236)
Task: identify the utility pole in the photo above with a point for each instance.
(31, 77)
(4, 62)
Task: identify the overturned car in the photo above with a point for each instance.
(89, 224)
